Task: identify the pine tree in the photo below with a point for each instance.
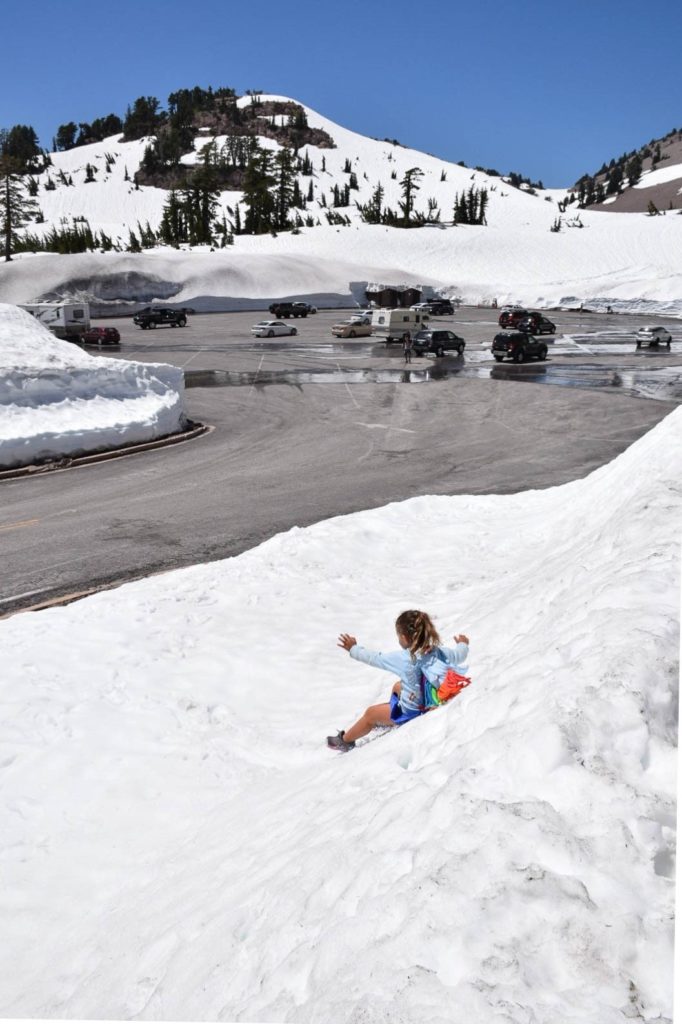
(287, 193)
(16, 207)
(634, 170)
(171, 228)
(257, 198)
(409, 186)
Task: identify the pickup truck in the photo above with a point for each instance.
(285, 309)
(153, 316)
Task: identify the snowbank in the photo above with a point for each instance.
(57, 400)
(178, 843)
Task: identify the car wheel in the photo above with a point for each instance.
(351, 334)
(182, 322)
(440, 351)
(498, 359)
(519, 355)
(639, 344)
(552, 330)
(151, 324)
(542, 354)
(271, 334)
(460, 349)
(293, 331)
(668, 343)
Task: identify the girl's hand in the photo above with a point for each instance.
(461, 639)
(346, 641)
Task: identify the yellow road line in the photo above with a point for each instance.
(18, 526)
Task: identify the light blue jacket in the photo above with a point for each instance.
(433, 666)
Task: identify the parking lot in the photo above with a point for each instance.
(309, 427)
(223, 341)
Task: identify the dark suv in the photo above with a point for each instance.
(511, 317)
(437, 342)
(535, 323)
(518, 345)
(440, 307)
(154, 316)
(283, 310)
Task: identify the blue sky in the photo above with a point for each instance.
(546, 91)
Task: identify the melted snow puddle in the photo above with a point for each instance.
(663, 384)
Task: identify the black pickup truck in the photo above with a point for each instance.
(154, 316)
(286, 309)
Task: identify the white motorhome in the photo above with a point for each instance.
(391, 324)
(69, 320)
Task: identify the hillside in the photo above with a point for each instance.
(647, 180)
(530, 248)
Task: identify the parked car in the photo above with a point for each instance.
(653, 336)
(511, 316)
(155, 316)
(362, 317)
(438, 342)
(440, 307)
(351, 329)
(536, 324)
(306, 305)
(269, 328)
(518, 345)
(423, 307)
(283, 310)
(102, 336)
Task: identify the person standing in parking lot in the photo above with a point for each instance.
(407, 346)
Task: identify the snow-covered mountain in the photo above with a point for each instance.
(629, 261)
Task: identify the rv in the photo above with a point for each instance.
(66, 320)
(391, 324)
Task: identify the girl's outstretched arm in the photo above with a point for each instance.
(346, 641)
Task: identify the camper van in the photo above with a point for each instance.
(391, 324)
(66, 320)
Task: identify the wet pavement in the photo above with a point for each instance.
(663, 384)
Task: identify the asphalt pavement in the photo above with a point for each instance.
(309, 427)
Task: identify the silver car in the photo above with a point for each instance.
(269, 328)
(653, 336)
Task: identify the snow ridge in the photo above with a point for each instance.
(56, 400)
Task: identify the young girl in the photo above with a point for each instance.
(420, 655)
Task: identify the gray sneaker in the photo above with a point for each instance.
(338, 742)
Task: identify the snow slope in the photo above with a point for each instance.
(177, 843)
(628, 261)
(56, 399)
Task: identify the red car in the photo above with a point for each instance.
(511, 317)
(102, 336)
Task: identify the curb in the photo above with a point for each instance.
(196, 430)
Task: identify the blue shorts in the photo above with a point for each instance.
(398, 715)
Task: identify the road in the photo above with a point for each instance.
(308, 428)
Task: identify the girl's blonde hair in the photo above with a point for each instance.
(419, 631)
